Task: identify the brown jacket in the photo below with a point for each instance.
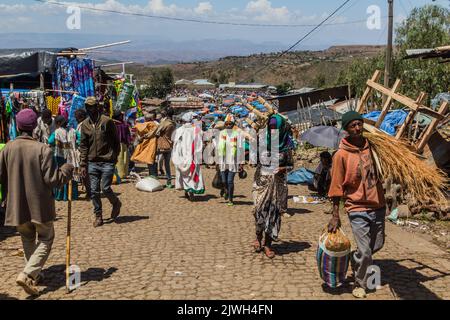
(99, 141)
(164, 133)
(28, 173)
(354, 177)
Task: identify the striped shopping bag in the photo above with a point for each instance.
(332, 265)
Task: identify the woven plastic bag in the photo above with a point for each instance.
(148, 184)
(333, 264)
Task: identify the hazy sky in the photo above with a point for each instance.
(31, 16)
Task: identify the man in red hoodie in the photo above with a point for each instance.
(354, 178)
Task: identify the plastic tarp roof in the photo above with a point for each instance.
(27, 61)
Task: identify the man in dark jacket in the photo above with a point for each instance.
(99, 149)
(28, 175)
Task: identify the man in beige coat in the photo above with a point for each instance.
(28, 174)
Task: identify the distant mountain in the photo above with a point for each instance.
(146, 50)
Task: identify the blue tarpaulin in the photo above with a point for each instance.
(259, 106)
(393, 118)
(301, 176)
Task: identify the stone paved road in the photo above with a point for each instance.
(164, 247)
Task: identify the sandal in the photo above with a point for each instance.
(269, 253)
(257, 246)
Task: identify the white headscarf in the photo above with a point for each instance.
(188, 116)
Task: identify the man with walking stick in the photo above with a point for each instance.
(28, 175)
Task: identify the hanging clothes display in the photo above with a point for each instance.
(3, 121)
(74, 76)
(63, 109)
(125, 99)
(77, 103)
(53, 104)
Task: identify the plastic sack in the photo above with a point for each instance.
(337, 241)
(148, 184)
(332, 265)
(217, 181)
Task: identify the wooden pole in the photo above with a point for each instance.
(41, 81)
(300, 120)
(69, 218)
(410, 116)
(309, 109)
(388, 64)
(387, 104)
(431, 127)
(368, 91)
(417, 128)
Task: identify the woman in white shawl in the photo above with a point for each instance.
(186, 155)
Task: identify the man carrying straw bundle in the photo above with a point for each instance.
(354, 178)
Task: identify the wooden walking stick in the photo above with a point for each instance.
(69, 218)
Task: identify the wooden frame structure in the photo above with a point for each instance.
(416, 106)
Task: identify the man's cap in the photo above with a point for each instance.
(349, 117)
(26, 120)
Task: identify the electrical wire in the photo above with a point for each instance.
(197, 20)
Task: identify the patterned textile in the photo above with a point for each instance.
(230, 150)
(125, 99)
(53, 104)
(65, 141)
(62, 194)
(285, 143)
(74, 75)
(187, 147)
(63, 110)
(77, 103)
(269, 194)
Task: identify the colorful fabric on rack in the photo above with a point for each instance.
(53, 105)
(124, 101)
(63, 110)
(12, 128)
(118, 84)
(77, 103)
(74, 75)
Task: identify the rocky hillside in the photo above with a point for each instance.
(302, 68)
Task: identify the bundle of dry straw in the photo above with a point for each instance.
(422, 182)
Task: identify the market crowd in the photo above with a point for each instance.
(51, 160)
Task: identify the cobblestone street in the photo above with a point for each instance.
(165, 247)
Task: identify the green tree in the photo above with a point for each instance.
(426, 27)
(320, 80)
(283, 88)
(161, 83)
(223, 78)
(361, 69)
